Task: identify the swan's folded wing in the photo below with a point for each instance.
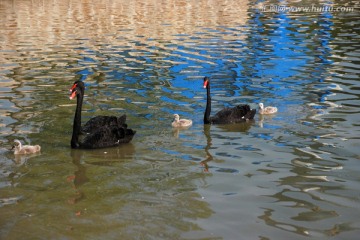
(244, 112)
(250, 114)
(98, 122)
(107, 136)
(236, 114)
(222, 117)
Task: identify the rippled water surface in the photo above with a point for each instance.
(293, 175)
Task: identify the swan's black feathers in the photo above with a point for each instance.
(236, 114)
(107, 136)
(99, 121)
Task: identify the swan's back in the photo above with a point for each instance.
(267, 110)
(236, 114)
(180, 123)
(107, 136)
(100, 121)
(26, 149)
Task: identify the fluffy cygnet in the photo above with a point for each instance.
(180, 122)
(267, 110)
(25, 149)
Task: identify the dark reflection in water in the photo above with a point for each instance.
(290, 175)
(234, 128)
(209, 157)
(102, 157)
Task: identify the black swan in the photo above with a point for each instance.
(240, 113)
(100, 131)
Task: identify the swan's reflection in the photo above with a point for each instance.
(79, 177)
(238, 127)
(100, 157)
(176, 131)
(264, 118)
(209, 157)
(22, 159)
(109, 156)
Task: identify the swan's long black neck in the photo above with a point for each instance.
(77, 122)
(208, 105)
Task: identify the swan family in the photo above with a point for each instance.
(111, 131)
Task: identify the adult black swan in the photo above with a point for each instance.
(100, 131)
(240, 113)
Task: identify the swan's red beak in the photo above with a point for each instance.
(206, 82)
(73, 95)
(73, 87)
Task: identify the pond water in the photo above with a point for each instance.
(292, 175)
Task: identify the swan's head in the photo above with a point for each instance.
(176, 117)
(206, 82)
(261, 105)
(17, 144)
(77, 87)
